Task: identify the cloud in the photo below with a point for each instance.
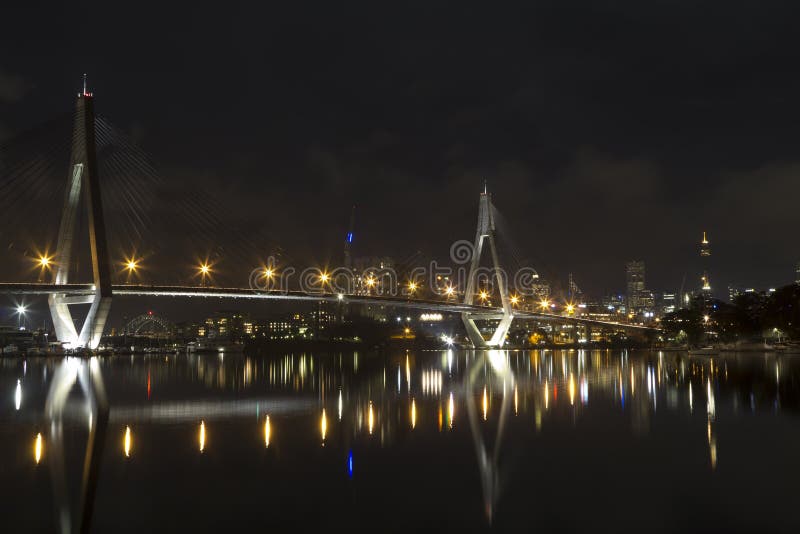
(13, 88)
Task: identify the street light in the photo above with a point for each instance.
(44, 261)
(514, 300)
(544, 304)
(449, 291)
(205, 272)
(412, 286)
(483, 295)
(21, 309)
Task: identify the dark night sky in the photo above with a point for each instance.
(607, 131)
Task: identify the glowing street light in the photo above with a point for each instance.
(412, 286)
(44, 261)
(514, 300)
(324, 278)
(449, 291)
(21, 309)
(204, 269)
(570, 309)
(544, 304)
(483, 295)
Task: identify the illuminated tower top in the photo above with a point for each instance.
(85, 92)
(705, 246)
(706, 282)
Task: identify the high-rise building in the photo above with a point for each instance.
(705, 251)
(636, 288)
(733, 292)
(705, 246)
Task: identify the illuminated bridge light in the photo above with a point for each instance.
(350, 464)
(370, 418)
(126, 442)
(451, 410)
(202, 436)
(38, 448)
(267, 432)
(18, 395)
(323, 426)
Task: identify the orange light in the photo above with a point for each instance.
(514, 300)
(205, 268)
(44, 261)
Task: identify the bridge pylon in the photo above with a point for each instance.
(486, 232)
(83, 180)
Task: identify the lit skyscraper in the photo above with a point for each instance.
(705, 251)
(705, 246)
(635, 278)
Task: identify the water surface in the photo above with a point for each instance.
(572, 441)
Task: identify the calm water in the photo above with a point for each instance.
(505, 441)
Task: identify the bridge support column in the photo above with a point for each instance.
(83, 178)
(485, 232)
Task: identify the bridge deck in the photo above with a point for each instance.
(254, 294)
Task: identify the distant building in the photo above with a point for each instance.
(615, 303)
(374, 275)
(635, 284)
(667, 303)
(733, 292)
(224, 325)
(705, 252)
(705, 246)
(797, 273)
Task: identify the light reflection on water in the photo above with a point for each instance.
(564, 404)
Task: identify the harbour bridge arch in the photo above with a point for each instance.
(149, 323)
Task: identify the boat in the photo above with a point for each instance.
(214, 346)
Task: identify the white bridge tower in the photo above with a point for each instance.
(486, 232)
(83, 180)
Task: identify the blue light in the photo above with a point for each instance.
(350, 464)
(349, 237)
